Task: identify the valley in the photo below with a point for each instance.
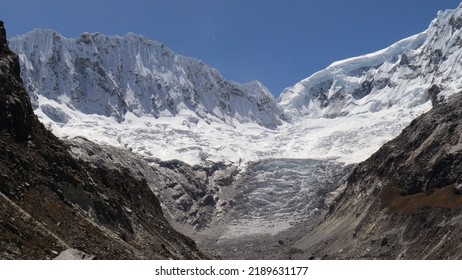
(360, 160)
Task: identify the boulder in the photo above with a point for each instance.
(74, 254)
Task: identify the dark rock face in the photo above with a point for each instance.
(403, 202)
(16, 116)
(189, 194)
(3, 42)
(50, 202)
(427, 154)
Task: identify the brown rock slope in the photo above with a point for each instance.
(404, 202)
(50, 201)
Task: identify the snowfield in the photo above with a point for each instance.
(350, 139)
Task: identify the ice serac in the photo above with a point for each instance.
(112, 75)
(406, 74)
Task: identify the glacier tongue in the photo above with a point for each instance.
(277, 194)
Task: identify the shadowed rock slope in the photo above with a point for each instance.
(50, 202)
(405, 201)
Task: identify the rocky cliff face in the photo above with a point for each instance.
(16, 117)
(51, 202)
(403, 202)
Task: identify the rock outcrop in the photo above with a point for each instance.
(74, 254)
(16, 116)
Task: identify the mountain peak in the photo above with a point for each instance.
(112, 75)
(399, 75)
(4, 49)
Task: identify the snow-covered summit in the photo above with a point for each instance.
(113, 75)
(399, 75)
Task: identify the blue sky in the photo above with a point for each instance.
(278, 42)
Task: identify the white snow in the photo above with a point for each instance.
(349, 140)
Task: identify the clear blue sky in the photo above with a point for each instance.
(278, 42)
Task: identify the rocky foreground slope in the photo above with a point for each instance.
(51, 202)
(405, 201)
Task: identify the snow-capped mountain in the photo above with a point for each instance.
(112, 75)
(406, 74)
(134, 93)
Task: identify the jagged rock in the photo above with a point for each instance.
(384, 242)
(404, 60)
(208, 200)
(427, 151)
(183, 189)
(458, 188)
(3, 41)
(16, 116)
(433, 93)
(74, 254)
